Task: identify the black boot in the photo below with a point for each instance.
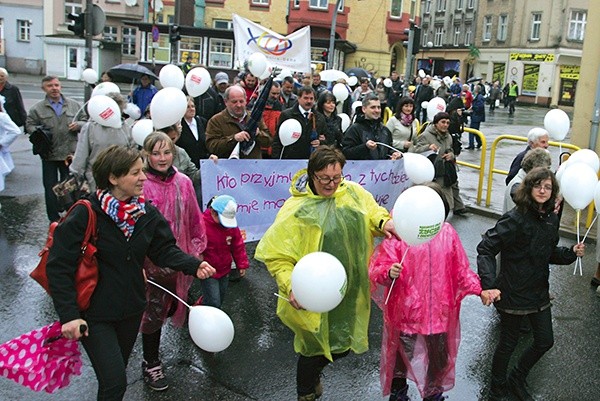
(517, 385)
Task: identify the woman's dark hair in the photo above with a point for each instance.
(404, 100)
(324, 156)
(440, 116)
(523, 198)
(325, 97)
(115, 160)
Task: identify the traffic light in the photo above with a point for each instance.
(78, 25)
(416, 40)
(324, 55)
(174, 35)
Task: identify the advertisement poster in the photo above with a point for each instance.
(498, 74)
(531, 74)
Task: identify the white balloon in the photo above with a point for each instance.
(435, 105)
(267, 73)
(197, 81)
(578, 184)
(424, 104)
(340, 91)
(435, 84)
(421, 73)
(352, 80)
(418, 168)
(105, 111)
(290, 131)
(104, 88)
(89, 75)
(167, 107)
(418, 214)
(257, 64)
(597, 197)
(141, 129)
(586, 156)
(285, 72)
(387, 83)
(133, 111)
(210, 328)
(345, 121)
(319, 282)
(557, 124)
(561, 170)
(447, 81)
(171, 76)
(356, 105)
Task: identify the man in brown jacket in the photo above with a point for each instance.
(225, 130)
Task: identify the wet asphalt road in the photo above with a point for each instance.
(260, 364)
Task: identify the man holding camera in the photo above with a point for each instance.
(58, 116)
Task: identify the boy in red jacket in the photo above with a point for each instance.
(224, 245)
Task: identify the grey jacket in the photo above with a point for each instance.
(93, 139)
(64, 141)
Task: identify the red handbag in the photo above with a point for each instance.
(86, 275)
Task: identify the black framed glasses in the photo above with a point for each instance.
(326, 180)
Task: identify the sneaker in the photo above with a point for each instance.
(518, 387)
(400, 394)
(154, 376)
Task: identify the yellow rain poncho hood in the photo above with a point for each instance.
(342, 225)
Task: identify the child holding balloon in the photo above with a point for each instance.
(419, 286)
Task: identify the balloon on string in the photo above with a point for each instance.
(319, 282)
(561, 170)
(105, 111)
(557, 124)
(340, 91)
(267, 73)
(197, 81)
(435, 83)
(345, 121)
(141, 129)
(167, 107)
(435, 105)
(105, 88)
(418, 214)
(578, 184)
(387, 83)
(352, 80)
(424, 104)
(356, 105)
(447, 81)
(257, 64)
(285, 72)
(419, 169)
(133, 111)
(89, 75)
(586, 156)
(171, 76)
(210, 328)
(421, 73)
(289, 131)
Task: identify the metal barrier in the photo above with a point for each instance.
(481, 166)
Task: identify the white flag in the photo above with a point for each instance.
(292, 51)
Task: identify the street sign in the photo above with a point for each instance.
(98, 20)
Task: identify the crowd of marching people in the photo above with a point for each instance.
(154, 225)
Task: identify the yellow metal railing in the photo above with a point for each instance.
(481, 165)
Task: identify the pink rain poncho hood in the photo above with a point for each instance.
(342, 225)
(424, 304)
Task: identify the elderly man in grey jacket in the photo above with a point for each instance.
(58, 114)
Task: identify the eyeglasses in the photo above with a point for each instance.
(326, 180)
(539, 187)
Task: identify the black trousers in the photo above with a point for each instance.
(53, 172)
(543, 340)
(108, 346)
(309, 371)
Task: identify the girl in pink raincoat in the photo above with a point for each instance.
(421, 332)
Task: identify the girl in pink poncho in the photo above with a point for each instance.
(421, 332)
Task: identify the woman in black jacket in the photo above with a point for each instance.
(526, 238)
(128, 230)
(326, 105)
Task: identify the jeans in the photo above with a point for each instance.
(473, 137)
(214, 290)
(543, 340)
(309, 371)
(53, 172)
(108, 346)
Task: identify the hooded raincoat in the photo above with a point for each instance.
(175, 198)
(422, 315)
(342, 225)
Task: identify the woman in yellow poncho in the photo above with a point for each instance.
(325, 213)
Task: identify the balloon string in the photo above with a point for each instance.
(281, 296)
(79, 111)
(169, 292)
(578, 260)
(394, 280)
(588, 230)
(281, 155)
(387, 146)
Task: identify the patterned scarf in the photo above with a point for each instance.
(406, 119)
(124, 214)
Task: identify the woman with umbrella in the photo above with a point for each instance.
(128, 231)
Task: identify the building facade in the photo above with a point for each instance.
(537, 43)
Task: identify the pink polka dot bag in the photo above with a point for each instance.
(41, 359)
